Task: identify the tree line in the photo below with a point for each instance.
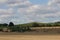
(25, 27)
(13, 28)
(36, 24)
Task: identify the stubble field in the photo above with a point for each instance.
(39, 34)
(29, 37)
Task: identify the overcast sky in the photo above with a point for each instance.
(25, 11)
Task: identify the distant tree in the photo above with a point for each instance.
(11, 24)
(15, 28)
(28, 29)
(25, 29)
(5, 24)
(35, 24)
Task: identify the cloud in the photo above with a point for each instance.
(24, 11)
(54, 2)
(39, 13)
(5, 14)
(3, 1)
(20, 3)
(6, 11)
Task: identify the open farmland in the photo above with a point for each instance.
(43, 33)
(36, 31)
(46, 30)
(29, 37)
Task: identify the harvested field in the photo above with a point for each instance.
(38, 34)
(29, 37)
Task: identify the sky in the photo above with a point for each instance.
(25, 11)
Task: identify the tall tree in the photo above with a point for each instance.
(11, 24)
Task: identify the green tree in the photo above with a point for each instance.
(11, 24)
(35, 24)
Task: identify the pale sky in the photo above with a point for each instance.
(25, 11)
